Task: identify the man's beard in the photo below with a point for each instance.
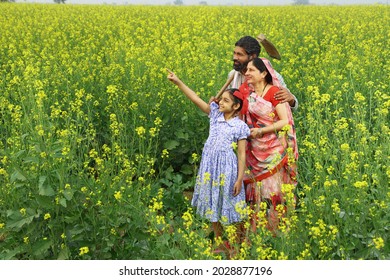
(240, 66)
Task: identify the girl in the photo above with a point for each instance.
(219, 191)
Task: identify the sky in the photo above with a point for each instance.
(216, 2)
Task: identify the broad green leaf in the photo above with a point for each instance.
(18, 176)
(171, 144)
(39, 248)
(182, 135)
(63, 202)
(44, 201)
(18, 154)
(63, 254)
(31, 159)
(42, 180)
(17, 224)
(10, 255)
(68, 194)
(13, 214)
(46, 191)
(187, 169)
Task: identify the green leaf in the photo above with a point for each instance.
(40, 248)
(187, 169)
(182, 135)
(44, 201)
(166, 182)
(68, 194)
(31, 159)
(19, 185)
(73, 219)
(13, 214)
(42, 180)
(77, 234)
(25, 220)
(18, 154)
(10, 255)
(63, 202)
(18, 176)
(44, 190)
(171, 144)
(64, 254)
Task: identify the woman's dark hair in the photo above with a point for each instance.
(236, 100)
(259, 64)
(249, 44)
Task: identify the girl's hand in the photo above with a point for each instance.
(172, 77)
(237, 188)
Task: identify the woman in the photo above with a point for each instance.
(272, 152)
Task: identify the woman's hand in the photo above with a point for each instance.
(256, 133)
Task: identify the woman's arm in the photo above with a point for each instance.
(281, 110)
(189, 92)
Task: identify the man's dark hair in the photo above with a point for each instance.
(250, 45)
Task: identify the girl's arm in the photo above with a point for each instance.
(281, 110)
(241, 166)
(189, 92)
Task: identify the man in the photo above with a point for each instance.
(245, 50)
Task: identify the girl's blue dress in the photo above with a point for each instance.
(213, 193)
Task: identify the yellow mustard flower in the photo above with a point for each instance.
(165, 153)
(83, 251)
(379, 243)
(22, 211)
(118, 195)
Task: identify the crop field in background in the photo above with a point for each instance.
(98, 150)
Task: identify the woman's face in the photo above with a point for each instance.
(253, 75)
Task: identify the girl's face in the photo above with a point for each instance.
(226, 104)
(253, 75)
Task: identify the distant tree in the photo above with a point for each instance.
(301, 2)
(203, 3)
(7, 1)
(59, 1)
(178, 2)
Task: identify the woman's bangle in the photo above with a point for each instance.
(260, 132)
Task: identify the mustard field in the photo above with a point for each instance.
(99, 152)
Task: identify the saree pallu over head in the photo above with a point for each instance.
(275, 80)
